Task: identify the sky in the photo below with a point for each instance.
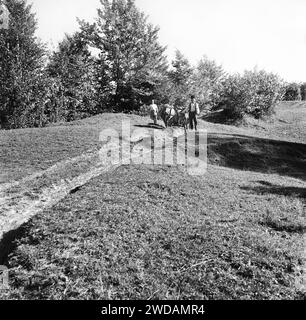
(239, 34)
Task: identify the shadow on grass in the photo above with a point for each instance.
(290, 223)
(285, 225)
(258, 154)
(270, 188)
(217, 117)
(150, 126)
(9, 242)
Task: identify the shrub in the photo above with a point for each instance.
(293, 92)
(254, 93)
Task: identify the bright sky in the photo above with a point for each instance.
(239, 34)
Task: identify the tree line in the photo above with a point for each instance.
(128, 69)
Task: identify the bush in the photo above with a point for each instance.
(254, 93)
(293, 92)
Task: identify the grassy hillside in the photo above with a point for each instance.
(286, 124)
(27, 151)
(290, 121)
(151, 232)
(148, 232)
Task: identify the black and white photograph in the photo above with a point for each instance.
(152, 150)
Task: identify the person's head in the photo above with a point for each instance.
(153, 101)
(192, 98)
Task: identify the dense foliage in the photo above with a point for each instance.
(254, 93)
(179, 80)
(293, 92)
(72, 70)
(131, 62)
(22, 78)
(207, 84)
(204, 81)
(128, 70)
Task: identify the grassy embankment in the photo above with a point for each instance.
(152, 232)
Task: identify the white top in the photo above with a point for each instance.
(154, 108)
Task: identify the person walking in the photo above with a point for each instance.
(194, 111)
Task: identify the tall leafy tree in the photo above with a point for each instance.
(72, 69)
(207, 82)
(131, 62)
(22, 59)
(180, 77)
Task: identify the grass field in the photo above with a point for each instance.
(155, 232)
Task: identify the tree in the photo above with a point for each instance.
(207, 82)
(72, 69)
(131, 62)
(293, 92)
(21, 68)
(180, 78)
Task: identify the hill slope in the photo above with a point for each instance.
(154, 231)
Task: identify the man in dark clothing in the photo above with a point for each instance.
(194, 110)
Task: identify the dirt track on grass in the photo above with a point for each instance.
(24, 199)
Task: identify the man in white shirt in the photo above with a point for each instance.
(194, 110)
(154, 111)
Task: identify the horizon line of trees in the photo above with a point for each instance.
(38, 87)
(295, 92)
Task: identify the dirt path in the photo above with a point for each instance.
(24, 199)
(21, 200)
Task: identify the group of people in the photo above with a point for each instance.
(190, 113)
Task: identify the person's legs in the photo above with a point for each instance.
(186, 121)
(196, 122)
(191, 120)
(155, 118)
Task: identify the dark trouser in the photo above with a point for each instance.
(193, 120)
(154, 117)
